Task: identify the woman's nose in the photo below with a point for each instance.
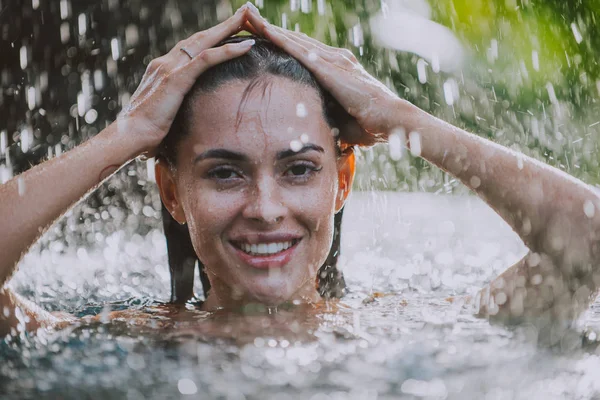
(264, 203)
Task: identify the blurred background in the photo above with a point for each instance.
(519, 72)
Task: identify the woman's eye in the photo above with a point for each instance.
(298, 170)
(302, 171)
(223, 174)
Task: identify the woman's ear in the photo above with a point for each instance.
(346, 171)
(168, 190)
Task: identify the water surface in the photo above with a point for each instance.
(395, 335)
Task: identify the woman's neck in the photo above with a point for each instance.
(222, 296)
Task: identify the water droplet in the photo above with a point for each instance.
(115, 49)
(296, 145)
(414, 140)
(301, 110)
(519, 161)
(3, 142)
(536, 279)
(25, 140)
(451, 92)
(535, 60)
(65, 9)
(20, 186)
(589, 209)
(82, 24)
(65, 33)
(321, 7)
(23, 57)
(357, 35)
(305, 6)
(576, 33)
(187, 386)
(421, 70)
(91, 116)
(396, 142)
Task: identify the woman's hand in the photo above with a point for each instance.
(167, 80)
(372, 106)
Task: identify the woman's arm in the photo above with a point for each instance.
(32, 201)
(556, 215)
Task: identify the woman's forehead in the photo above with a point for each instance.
(277, 113)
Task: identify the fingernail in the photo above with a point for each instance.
(252, 6)
(242, 8)
(248, 43)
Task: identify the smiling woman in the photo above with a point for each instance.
(254, 139)
(279, 140)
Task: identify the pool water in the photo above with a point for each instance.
(395, 335)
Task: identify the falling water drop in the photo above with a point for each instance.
(301, 110)
(589, 209)
(20, 186)
(65, 33)
(535, 60)
(115, 49)
(321, 7)
(414, 138)
(65, 9)
(31, 97)
(306, 6)
(23, 57)
(3, 141)
(82, 24)
(396, 143)
(25, 140)
(421, 70)
(357, 35)
(150, 169)
(296, 145)
(91, 116)
(187, 386)
(576, 33)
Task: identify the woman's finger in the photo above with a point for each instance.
(329, 50)
(262, 25)
(210, 37)
(302, 39)
(249, 28)
(310, 59)
(257, 20)
(188, 73)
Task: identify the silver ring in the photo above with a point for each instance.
(186, 52)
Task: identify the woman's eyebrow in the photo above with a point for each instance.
(307, 147)
(222, 154)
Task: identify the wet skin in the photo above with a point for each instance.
(183, 258)
(238, 183)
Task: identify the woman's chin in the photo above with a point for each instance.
(270, 296)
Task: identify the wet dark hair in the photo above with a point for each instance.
(263, 61)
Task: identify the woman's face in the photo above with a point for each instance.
(258, 190)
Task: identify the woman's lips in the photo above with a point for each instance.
(266, 261)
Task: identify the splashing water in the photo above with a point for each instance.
(527, 79)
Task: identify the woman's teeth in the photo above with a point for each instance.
(265, 248)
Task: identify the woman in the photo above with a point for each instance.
(259, 187)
